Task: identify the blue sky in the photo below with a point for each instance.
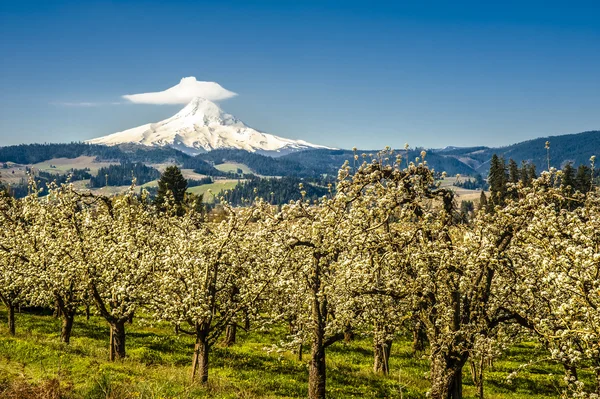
(346, 73)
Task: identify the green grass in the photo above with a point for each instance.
(215, 188)
(233, 167)
(63, 165)
(158, 366)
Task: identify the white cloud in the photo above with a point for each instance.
(183, 93)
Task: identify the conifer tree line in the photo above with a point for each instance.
(122, 174)
(383, 255)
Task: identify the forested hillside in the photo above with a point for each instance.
(575, 148)
(274, 190)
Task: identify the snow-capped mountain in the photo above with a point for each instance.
(203, 126)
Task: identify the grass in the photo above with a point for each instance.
(63, 165)
(216, 188)
(233, 167)
(158, 366)
(462, 193)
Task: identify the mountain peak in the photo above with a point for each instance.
(202, 107)
(203, 126)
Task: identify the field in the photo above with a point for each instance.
(63, 165)
(158, 361)
(216, 187)
(462, 194)
(233, 167)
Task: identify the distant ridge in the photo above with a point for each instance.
(576, 148)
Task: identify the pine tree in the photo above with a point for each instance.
(497, 180)
(531, 174)
(513, 171)
(524, 173)
(171, 181)
(483, 203)
(583, 179)
(568, 178)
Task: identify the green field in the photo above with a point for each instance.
(215, 188)
(158, 366)
(233, 167)
(462, 194)
(63, 165)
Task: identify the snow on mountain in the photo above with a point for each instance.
(203, 126)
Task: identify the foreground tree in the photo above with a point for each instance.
(209, 275)
(556, 264)
(452, 276)
(54, 249)
(314, 237)
(118, 241)
(15, 277)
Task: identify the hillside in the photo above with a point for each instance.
(576, 148)
(319, 166)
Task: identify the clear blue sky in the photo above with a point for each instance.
(346, 73)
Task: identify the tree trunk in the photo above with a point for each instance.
(57, 309)
(597, 372)
(348, 334)
(246, 322)
(200, 358)
(477, 366)
(117, 340)
(67, 326)
(11, 319)
(87, 311)
(130, 318)
(418, 345)
(317, 371)
(300, 352)
(381, 358)
(446, 378)
(230, 335)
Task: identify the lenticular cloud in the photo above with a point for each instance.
(183, 93)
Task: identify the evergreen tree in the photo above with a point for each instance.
(524, 173)
(583, 179)
(532, 174)
(497, 180)
(483, 203)
(568, 178)
(171, 181)
(513, 172)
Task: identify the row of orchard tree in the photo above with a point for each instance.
(384, 254)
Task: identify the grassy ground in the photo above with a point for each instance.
(462, 194)
(158, 366)
(233, 167)
(216, 188)
(62, 165)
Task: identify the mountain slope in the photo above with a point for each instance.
(203, 126)
(576, 148)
